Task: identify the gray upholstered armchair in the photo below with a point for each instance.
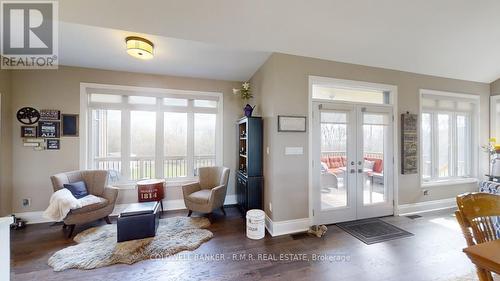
(209, 193)
(95, 181)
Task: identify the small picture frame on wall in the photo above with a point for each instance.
(291, 123)
(53, 144)
(70, 125)
(28, 131)
(48, 129)
(50, 114)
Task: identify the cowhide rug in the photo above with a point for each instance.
(97, 247)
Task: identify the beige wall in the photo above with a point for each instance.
(495, 88)
(5, 144)
(60, 89)
(286, 182)
(263, 84)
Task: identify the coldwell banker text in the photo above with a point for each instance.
(29, 35)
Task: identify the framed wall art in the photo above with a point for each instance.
(48, 129)
(53, 144)
(291, 123)
(69, 125)
(28, 115)
(28, 131)
(50, 114)
(409, 143)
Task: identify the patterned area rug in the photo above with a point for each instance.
(97, 247)
(372, 231)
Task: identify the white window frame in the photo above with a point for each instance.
(493, 117)
(474, 130)
(85, 136)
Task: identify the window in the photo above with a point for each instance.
(106, 139)
(142, 144)
(205, 103)
(175, 144)
(175, 102)
(336, 93)
(495, 117)
(155, 135)
(448, 138)
(204, 138)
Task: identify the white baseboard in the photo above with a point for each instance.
(426, 206)
(286, 227)
(168, 205)
(33, 217)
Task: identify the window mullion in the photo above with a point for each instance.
(190, 140)
(219, 155)
(125, 141)
(159, 143)
(435, 147)
(469, 144)
(452, 159)
(91, 155)
(454, 147)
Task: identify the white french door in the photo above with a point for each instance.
(353, 162)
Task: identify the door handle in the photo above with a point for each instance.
(352, 171)
(360, 171)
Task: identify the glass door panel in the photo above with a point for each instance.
(374, 139)
(333, 179)
(375, 162)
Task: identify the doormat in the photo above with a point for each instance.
(372, 231)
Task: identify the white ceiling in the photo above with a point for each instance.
(449, 38)
(97, 47)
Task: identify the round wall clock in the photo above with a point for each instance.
(28, 115)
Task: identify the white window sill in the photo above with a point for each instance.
(449, 182)
(169, 183)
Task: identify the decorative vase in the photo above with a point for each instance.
(248, 110)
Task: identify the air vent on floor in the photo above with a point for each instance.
(413, 217)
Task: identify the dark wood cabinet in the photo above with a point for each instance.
(249, 178)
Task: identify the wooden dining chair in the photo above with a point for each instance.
(476, 215)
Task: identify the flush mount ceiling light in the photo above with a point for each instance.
(139, 47)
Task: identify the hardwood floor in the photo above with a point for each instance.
(434, 253)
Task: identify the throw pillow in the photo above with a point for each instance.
(368, 165)
(324, 167)
(78, 189)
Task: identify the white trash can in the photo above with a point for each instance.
(256, 228)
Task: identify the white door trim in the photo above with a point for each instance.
(393, 99)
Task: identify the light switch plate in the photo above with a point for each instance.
(291, 150)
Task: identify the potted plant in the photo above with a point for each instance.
(493, 149)
(245, 94)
